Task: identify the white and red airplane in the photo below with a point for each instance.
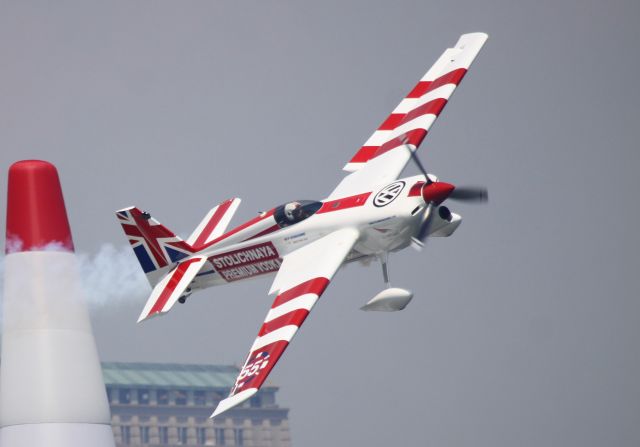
(370, 213)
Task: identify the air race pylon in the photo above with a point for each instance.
(51, 387)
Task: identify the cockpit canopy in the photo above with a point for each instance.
(293, 212)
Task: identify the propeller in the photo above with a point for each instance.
(470, 194)
(461, 193)
(419, 239)
(438, 192)
(418, 163)
(415, 158)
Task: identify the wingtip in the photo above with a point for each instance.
(144, 316)
(352, 167)
(232, 401)
(476, 35)
(472, 39)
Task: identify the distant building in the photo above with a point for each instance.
(165, 404)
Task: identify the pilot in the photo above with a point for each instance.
(293, 211)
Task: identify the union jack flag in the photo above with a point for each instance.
(154, 244)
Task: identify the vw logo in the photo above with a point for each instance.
(388, 194)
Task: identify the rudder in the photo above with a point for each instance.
(155, 246)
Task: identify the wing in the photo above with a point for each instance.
(303, 276)
(386, 152)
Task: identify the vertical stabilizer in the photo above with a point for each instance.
(157, 248)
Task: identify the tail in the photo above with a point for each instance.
(156, 247)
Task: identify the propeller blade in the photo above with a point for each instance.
(470, 194)
(415, 158)
(419, 164)
(418, 240)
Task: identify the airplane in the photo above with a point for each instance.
(373, 211)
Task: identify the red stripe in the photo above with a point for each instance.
(424, 87)
(394, 120)
(315, 285)
(391, 122)
(344, 203)
(420, 89)
(413, 137)
(368, 152)
(213, 222)
(262, 233)
(147, 233)
(431, 108)
(416, 189)
(364, 154)
(131, 230)
(295, 317)
(398, 119)
(253, 221)
(182, 245)
(171, 286)
(453, 77)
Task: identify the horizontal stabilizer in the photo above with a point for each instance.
(171, 287)
(214, 223)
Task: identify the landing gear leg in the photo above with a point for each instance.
(385, 270)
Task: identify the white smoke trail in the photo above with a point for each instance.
(110, 277)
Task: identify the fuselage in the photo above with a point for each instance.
(385, 218)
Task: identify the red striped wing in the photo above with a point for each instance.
(302, 278)
(410, 122)
(171, 287)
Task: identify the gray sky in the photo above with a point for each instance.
(524, 328)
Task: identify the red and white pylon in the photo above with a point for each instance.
(51, 387)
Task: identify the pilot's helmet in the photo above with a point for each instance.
(291, 210)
